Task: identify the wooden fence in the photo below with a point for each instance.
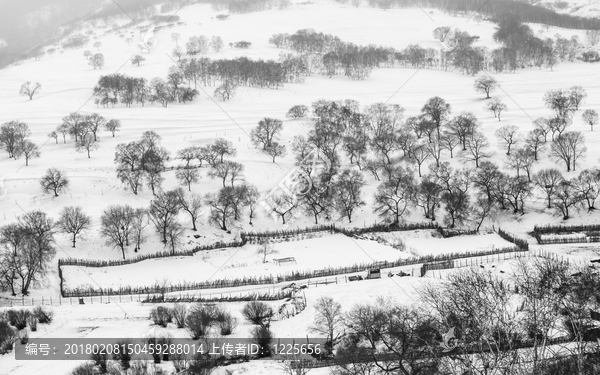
(293, 276)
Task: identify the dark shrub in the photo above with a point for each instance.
(32, 322)
(43, 316)
(297, 111)
(99, 359)
(200, 319)
(123, 356)
(84, 369)
(18, 318)
(178, 312)
(258, 313)
(161, 316)
(262, 336)
(226, 323)
(7, 337)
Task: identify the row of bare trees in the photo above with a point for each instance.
(477, 322)
(83, 129)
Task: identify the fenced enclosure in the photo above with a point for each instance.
(590, 233)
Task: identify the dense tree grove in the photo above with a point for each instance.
(114, 88)
(26, 250)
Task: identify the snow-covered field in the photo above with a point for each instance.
(67, 83)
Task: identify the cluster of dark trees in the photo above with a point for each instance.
(331, 56)
(201, 45)
(117, 87)
(84, 130)
(13, 138)
(492, 334)
(240, 6)
(142, 161)
(498, 9)
(235, 198)
(237, 72)
(336, 57)
(95, 60)
(371, 140)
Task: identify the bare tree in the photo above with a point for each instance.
(536, 142)
(12, 136)
(564, 197)
(137, 60)
(522, 159)
(86, 143)
(508, 135)
(449, 141)
(139, 222)
(427, 196)
(283, 205)
(187, 176)
(223, 147)
(476, 148)
(347, 193)
(116, 225)
(541, 125)
(191, 204)
(590, 117)
(568, 148)
(216, 43)
(227, 170)
(73, 221)
(486, 84)
(578, 95)
(163, 212)
(464, 126)
(328, 321)
(132, 179)
(482, 209)
(226, 90)
(394, 197)
(496, 107)
(27, 89)
(560, 102)
(174, 234)
(29, 150)
(93, 123)
(113, 126)
(275, 150)
(221, 206)
(420, 153)
(55, 181)
(587, 184)
(175, 37)
(96, 61)
(385, 143)
(266, 132)
(436, 110)
(478, 305)
(547, 180)
(517, 189)
(53, 134)
(64, 130)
